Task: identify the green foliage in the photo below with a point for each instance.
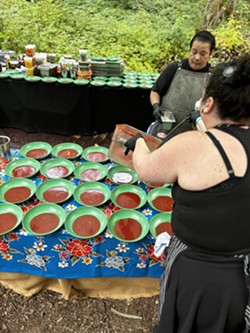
(146, 34)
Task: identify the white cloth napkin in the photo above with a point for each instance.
(161, 242)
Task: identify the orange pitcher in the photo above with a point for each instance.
(121, 134)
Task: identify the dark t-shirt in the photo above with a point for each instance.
(164, 80)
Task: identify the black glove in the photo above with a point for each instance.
(193, 116)
(130, 144)
(157, 112)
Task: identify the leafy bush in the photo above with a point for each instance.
(146, 34)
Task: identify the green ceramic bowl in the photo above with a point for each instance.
(30, 149)
(42, 227)
(119, 174)
(98, 83)
(49, 79)
(53, 184)
(64, 80)
(93, 171)
(128, 231)
(82, 82)
(133, 197)
(55, 168)
(166, 204)
(95, 154)
(159, 223)
(65, 150)
(18, 185)
(85, 230)
(93, 189)
(13, 169)
(32, 78)
(9, 208)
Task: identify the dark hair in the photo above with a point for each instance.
(204, 36)
(229, 85)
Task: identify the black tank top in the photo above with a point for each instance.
(216, 220)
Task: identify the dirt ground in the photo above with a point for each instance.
(48, 312)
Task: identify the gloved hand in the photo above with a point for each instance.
(130, 143)
(193, 116)
(157, 112)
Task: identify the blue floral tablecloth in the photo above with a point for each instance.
(60, 255)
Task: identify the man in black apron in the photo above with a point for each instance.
(181, 84)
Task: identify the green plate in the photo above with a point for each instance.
(157, 220)
(15, 183)
(49, 79)
(44, 208)
(114, 83)
(57, 162)
(33, 78)
(6, 208)
(52, 183)
(22, 162)
(115, 78)
(120, 189)
(121, 175)
(92, 186)
(4, 75)
(95, 149)
(98, 83)
(99, 78)
(65, 146)
(82, 211)
(130, 85)
(98, 58)
(17, 76)
(102, 171)
(36, 145)
(146, 86)
(82, 82)
(157, 192)
(65, 80)
(128, 214)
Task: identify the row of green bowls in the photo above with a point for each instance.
(68, 220)
(77, 191)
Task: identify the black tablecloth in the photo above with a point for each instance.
(71, 109)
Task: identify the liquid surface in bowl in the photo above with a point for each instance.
(122, 177)
(7, 222)
(86, 225)
(92, 197)
(17, 194)
(164, 227)
(23, 171)
(128, 200)
(90, 174)
(128, 229)
(44, 223)
(67, 153)
(35, 153)
(55, 194)
(57, 172)
(163, 203)
(96, 157)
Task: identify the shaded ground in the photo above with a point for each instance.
(48, 312)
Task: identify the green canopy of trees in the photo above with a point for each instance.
(146, 34)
